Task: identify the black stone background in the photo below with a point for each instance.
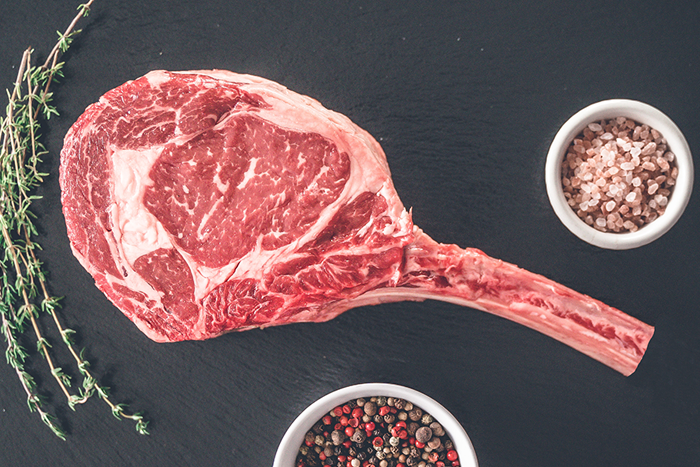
(465, 98)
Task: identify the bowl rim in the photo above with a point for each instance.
(642, 113)
(294, 436)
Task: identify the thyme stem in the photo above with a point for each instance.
(25, 291)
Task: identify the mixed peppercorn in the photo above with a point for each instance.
(378, 431)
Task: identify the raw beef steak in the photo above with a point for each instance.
(205, 202)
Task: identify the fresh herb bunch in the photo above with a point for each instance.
(25, 294)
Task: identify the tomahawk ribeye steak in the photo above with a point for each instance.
(205, 202)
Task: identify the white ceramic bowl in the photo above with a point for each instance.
(642, 113)
(293, 438)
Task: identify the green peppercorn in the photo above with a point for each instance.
(426, 419)
(381, 401)
(337, 437)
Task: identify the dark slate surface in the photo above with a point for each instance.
(465, 98)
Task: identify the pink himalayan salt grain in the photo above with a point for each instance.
(617, 175)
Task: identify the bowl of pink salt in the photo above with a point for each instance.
(619, 174)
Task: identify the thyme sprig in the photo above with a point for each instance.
(25, 293)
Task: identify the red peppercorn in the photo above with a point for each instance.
(369, 426)
(342, 458)
(400, 465)
(347, 444)
(439, 464)
(338, 426)
(401, 424)
(452, 455)
(403, 434)
(346, 409)
(411, 440)
(384, 410)
(309, 443)
(433, 457)
(378, 441)
(455, 464)
(327, 420)
(349, 431)
(357, 412)
(338, 411)
(353, 422)
(420, 445)
(343, 420)
(322, 456)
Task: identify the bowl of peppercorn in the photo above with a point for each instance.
(375, 425)
(619, 174)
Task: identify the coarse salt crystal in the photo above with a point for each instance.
(648, 149)
(600, 222)
(631, 196)
(595, 127)
(610, 205)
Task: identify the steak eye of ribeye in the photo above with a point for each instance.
(205, 202)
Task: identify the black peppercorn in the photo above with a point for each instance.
(358, 437)
(415, 414)
(438, 430)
